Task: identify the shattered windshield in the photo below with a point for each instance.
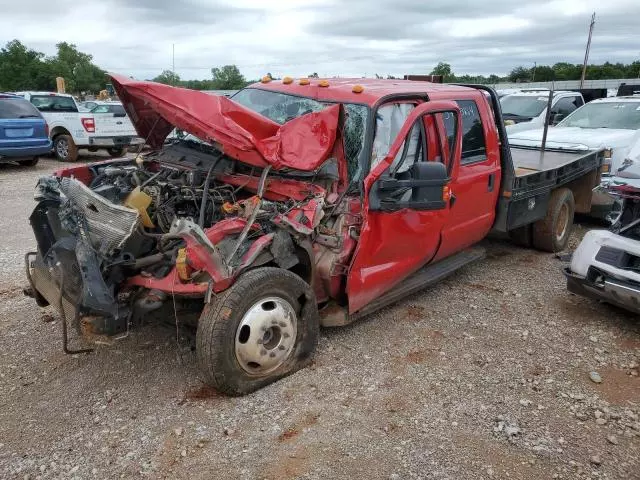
(281, 107)
(623, 115)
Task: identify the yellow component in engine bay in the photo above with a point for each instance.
(140, 201)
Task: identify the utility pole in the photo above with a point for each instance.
(535, 65)
(586, 53)
(173, 60)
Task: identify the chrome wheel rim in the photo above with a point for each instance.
(266, 335)
(62, 148)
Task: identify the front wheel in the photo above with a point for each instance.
(117, 151)
(261, 329)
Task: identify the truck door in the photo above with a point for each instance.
(476, 181)
(406, 204)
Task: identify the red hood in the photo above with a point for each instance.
(303, 143)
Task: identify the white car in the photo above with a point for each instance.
(527, 109)
(612, 122)
(606, 264)
(71, 129)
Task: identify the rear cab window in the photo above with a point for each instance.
(474, 149)
(54, 103)
(14, 107)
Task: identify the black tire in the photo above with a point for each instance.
(219, 333)
(65, 148)
(521, 236)
(29, 163)
(117, 151)
(551, 234)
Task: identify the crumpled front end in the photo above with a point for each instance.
(116, 241)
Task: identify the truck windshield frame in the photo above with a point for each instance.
(614, 115)
(283, 107)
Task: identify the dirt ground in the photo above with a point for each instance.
(486, 375)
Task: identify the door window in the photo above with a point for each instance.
(54, 103)
(389, 120)
(565, 106)
(473, 143)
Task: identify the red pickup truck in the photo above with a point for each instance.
(295, 204)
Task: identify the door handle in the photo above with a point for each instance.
(452, 200)
(492, 181)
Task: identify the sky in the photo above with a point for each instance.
(330, 37)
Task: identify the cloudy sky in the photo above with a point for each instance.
(331, 37)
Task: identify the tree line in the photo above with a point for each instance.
(545, 73)
(22, 68)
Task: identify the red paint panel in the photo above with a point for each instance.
(393, 245)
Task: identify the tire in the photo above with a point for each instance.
(236, 318)
(521, 236)
(551, 234)
(29, 163)
(117, 151)
(65, 148)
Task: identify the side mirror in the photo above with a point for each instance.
(425, 180)
(556, 118)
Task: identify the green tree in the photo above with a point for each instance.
(314, 75)
(77, 69)
(227, 78)
(24, 69)
(168, 78)
(443, 69)
(520, 74)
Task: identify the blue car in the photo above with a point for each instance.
(24, 134)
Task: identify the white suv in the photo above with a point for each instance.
(71, 129)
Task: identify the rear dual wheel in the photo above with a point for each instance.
(261, 329)
(551, 234)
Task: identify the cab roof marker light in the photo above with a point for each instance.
(304, 81)
(287, 80)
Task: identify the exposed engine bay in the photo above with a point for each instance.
(122, 237)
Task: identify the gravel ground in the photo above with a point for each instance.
(486, 375)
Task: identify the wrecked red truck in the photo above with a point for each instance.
(296, 204)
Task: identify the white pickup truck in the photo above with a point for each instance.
(71, 129)
(527, 109)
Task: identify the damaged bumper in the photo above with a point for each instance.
(604, 267)
(617, 292)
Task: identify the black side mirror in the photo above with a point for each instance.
(425, 180)
(556, 118)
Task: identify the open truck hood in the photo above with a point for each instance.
(303, 143)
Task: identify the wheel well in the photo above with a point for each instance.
(304, 267)
(59, 131)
